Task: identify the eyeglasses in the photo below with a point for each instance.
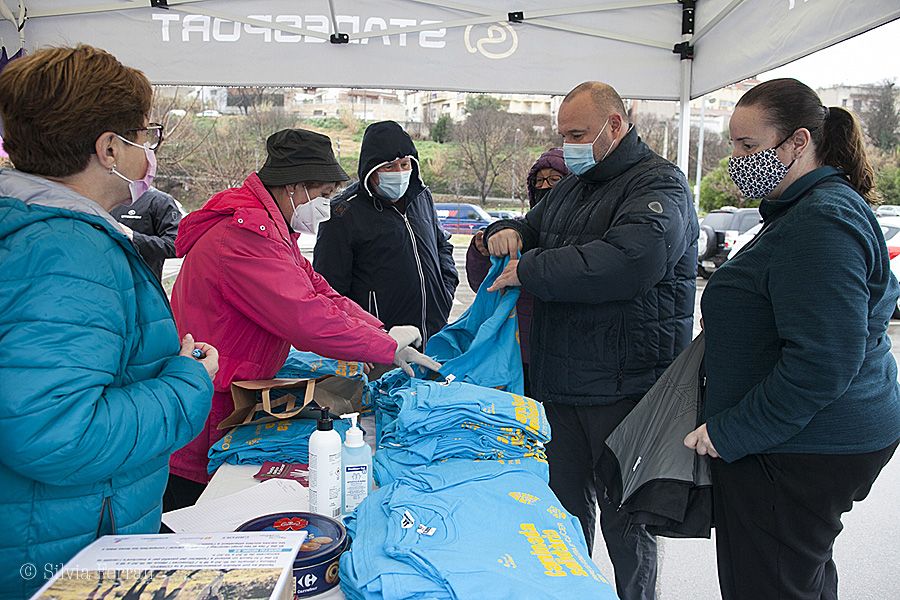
(154, 135)
(551, 180)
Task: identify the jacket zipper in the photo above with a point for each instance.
(373, 304)
(412, 237)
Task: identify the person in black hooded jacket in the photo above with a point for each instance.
(384, 247)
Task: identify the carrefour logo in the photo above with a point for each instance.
(307, 581)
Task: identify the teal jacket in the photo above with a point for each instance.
(93, 394)
(798, 357)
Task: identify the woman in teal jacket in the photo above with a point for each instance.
(802, 402)
(95, 389)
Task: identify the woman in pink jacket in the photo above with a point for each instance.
(245, 288)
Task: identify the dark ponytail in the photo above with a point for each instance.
(843, 146)
(836, 134)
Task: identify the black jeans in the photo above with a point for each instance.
(578, 437)
(777, 516)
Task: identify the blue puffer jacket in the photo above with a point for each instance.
(93, 394)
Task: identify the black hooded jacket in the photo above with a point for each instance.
(611, 258)
(395, 263)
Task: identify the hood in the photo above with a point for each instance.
(40, 194)
(383, 142)
(252, 195)
(551, 159)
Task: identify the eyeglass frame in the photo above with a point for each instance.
(552, 180)
(151, 127)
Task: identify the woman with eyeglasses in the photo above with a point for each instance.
(96, 389)
(549, 169)
(151, 222)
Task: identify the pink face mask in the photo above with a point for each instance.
(138, 187)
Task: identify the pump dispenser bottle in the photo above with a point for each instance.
(356, 467)
(325, 468)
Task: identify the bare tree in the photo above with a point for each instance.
(486, 143)
(200, 157)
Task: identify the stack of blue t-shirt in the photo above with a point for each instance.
(460, 528)
(423, 422)
(280, 441)
(309, 365)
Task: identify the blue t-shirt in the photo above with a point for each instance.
(280, 441)
(466, 527)
(428, 406)
(431, 421)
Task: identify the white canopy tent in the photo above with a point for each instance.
(649, 49)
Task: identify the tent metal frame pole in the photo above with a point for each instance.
(717, 19)
(18, 22)
(536, 20)
(83, 10)
(699, 175)
(686, 50)
(684, 123)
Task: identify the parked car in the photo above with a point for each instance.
(462, 218)
(719, 231)
(888, 210)
(743, 239)
(890, 226)
(504, 214)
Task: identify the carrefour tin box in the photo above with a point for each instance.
(317, 564)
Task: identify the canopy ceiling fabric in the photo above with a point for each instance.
(445, 44)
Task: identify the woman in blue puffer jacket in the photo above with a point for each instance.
(95, 389)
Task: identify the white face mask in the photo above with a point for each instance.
(306, 217)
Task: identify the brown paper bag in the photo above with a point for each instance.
(246, 405)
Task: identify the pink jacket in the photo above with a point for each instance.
(245, 288)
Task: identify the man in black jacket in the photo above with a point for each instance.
(152, 224)
(383, 246)
(610, 257)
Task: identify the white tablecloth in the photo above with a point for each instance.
(229, 479)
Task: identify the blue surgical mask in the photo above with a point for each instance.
(580, 157)
(393, 184)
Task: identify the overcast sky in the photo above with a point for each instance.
(870, 57)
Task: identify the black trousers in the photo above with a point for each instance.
(180, 493)
(578, 437)
(776, 519)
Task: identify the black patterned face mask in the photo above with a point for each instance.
(757, 174)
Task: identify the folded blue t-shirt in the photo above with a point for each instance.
(434, 521)
(279, 441)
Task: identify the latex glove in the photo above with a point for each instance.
(506, 242)
(406, 335)
(408, 354)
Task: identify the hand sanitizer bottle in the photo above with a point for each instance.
(356, 469)
(325, 468)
